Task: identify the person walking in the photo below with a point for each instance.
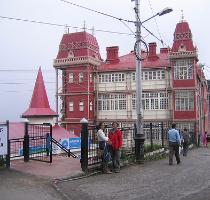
(174, 143)
(115, 135)
(185, 141)
(205, 142)
(103, 147)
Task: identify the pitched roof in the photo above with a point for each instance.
(39, 105)
(80, 43)
(128, 62)
(182, 37)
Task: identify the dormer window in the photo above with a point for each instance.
(70, 54)
(182, 47)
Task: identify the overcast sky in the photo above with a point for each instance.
(25, 46)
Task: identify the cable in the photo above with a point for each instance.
(149, 30)
(155, 20)
(101, 13)
(120, 19)
(62, 25)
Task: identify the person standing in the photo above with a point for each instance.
(174, 143)
(103, 147)
(115, 135)
(185, 141)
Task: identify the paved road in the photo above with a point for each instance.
(152, 181)
(19, 186)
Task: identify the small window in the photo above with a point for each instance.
(81, 77)
(81, 106)
(71, 106)
(71, 77)
(91, 106)
(91, 78)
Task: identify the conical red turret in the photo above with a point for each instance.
(39, 105)
(182, 38)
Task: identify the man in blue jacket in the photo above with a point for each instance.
(174, 143)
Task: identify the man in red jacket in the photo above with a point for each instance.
(115, 135)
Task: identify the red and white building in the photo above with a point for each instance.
(174, 87)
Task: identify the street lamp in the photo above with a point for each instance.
(139, 135)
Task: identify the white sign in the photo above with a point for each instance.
(3, 139)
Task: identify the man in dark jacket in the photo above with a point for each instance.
(186, 139)
(115, 135)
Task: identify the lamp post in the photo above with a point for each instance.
(139, 135)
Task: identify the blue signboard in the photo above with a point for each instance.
(71, 143)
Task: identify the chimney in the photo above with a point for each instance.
(152, 51)
(164, 50)
(112, 54)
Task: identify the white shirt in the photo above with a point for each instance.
(101, 136)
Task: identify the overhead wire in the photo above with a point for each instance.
(114, 17)
(158, 30)
(62, 25)
(96, 11)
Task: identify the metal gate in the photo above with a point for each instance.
(38, 142)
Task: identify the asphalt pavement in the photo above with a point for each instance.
(154, 180)
(20, 186)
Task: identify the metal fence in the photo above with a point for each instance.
(38, 141)
(155, 138)
(16, 147)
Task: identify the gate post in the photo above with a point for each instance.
(26, 144)
(84, 145)
(162, 134)
(8, 147)
(151, 137)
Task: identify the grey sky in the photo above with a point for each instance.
(26, 46)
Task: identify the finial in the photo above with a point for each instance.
(66, 29)
(93, 31)
(182, 17)
(84, 27)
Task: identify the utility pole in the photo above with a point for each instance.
(139, 135)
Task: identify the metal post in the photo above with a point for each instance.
(8, 147)
(162, 134)
(50, 143)
(26, 144)
(139, 136)
(56, 95)
(151, 136)
(84, 145)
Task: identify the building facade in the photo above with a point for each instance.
(173, 84)
(76, 62)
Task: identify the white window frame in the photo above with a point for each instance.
(184, 100)
(112, 102)
(81, 77)
(71, 77)
(91, 77)
(71, 106)
(183, 69)
(91, 106)
(81, 106)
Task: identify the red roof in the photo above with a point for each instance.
(39, 105)
(17, 130)
(128, 62)
(183, 36)
(81, 44)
